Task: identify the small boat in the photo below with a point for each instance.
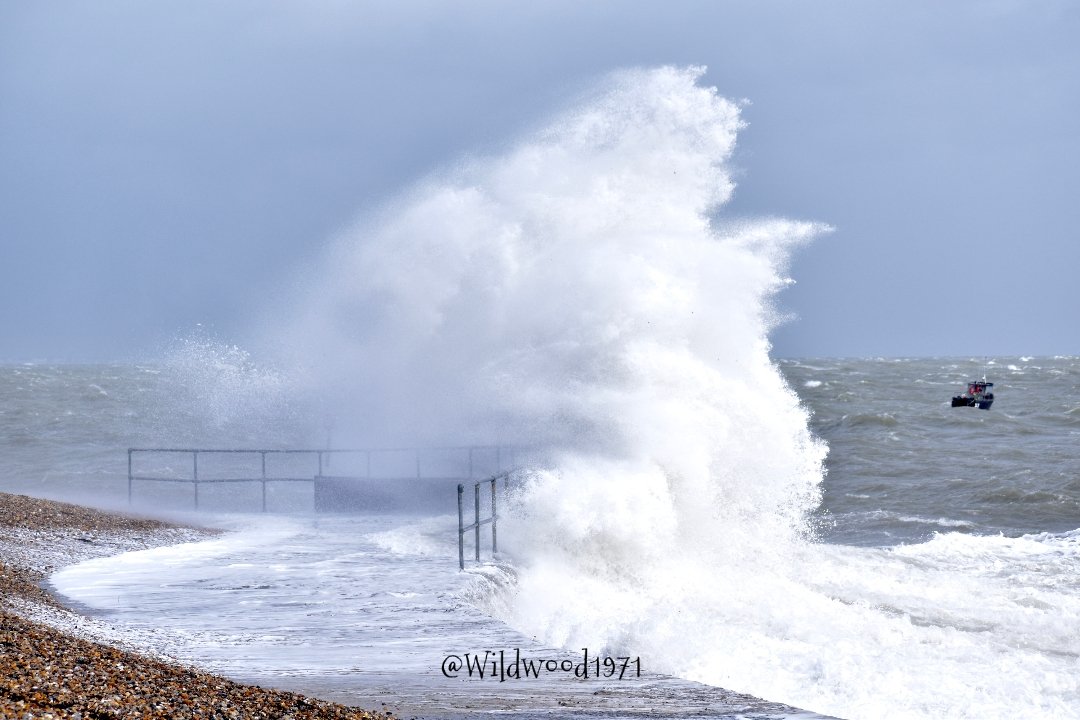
(979, 394)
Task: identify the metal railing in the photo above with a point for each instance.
(469, 455)
(477, 520)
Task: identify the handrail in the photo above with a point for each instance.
(477, 521)
(321, 454)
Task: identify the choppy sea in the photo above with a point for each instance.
(939, 575)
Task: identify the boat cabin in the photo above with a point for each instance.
(979, 394)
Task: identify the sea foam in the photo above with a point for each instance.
(584, 295)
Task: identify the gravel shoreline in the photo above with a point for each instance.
(55, 663)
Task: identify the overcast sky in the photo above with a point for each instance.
(170, 163)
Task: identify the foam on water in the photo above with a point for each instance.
(284, 596)
(356, 609)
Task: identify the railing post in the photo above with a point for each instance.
(129, 476)
(263, 481)
(476, 497)
(460, 528)
(195, 475)
(494, 516)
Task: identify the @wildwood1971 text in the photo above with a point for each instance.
(503, 666)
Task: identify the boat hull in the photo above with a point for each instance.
(968, 401)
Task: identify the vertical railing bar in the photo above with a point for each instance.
(263, 481)
(130, 480)
(460, 527)
(476, 497)
(195, 475)
(494, 517)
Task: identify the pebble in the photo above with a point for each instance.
(48, 673)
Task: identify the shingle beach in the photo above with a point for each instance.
(53, 662)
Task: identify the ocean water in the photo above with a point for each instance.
(941, 578)
(825, 533)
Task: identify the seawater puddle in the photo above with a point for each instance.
(361, 610)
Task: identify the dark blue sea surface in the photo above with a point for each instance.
(903, 464)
